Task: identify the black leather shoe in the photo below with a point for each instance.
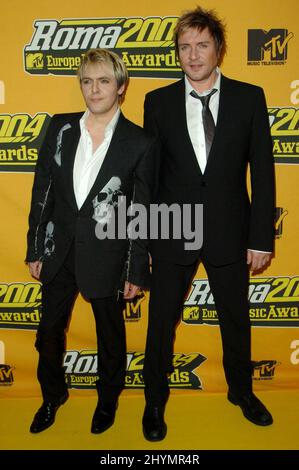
(45, 416)
(154, 426)
(103, 418)
(252, 408)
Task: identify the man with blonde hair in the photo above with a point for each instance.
(210, 128)
(88, 165)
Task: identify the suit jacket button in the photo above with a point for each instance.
(203, 184)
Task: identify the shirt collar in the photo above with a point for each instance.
(216, 86)
(110, 126)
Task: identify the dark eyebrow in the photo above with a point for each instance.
(200, 42)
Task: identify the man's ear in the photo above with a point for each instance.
(121, 89)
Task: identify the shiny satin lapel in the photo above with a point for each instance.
(181, 124)
(70, 141)
(222, 118)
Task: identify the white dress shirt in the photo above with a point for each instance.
(194, 118)
(88, 164)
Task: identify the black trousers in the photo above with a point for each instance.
(170, 284)
(58, 297)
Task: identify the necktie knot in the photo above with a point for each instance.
(205, 99)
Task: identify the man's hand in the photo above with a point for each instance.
(130, 290)
(35, 268)
(258, 260)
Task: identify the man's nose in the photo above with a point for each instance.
(194, 53)
(95, 86)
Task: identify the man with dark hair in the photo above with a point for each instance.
(210, 129)
(89, 163)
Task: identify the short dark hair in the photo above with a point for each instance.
(201, 19)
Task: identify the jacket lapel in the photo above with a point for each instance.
(223, 117)
(70, 143)
(180, 116)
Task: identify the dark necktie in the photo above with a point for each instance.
(207, 119)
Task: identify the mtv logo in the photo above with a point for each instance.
(34, 60)
(268, 45)
(264, 370)
(191, 313)
(6, 377)
(132, 311)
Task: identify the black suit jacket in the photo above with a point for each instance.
(232, 222)
(55, 221)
